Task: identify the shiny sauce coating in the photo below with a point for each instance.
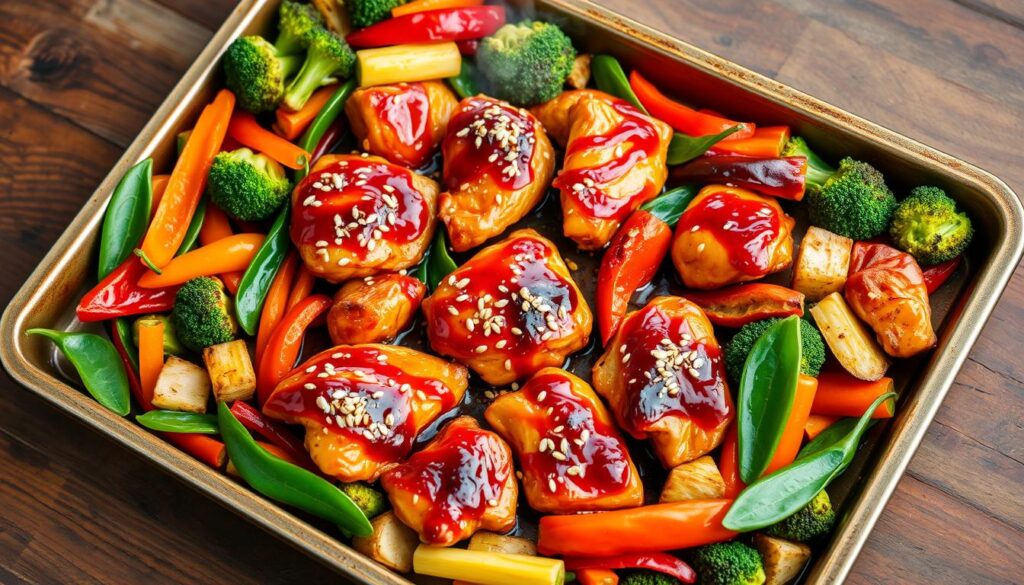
(407, 113)
(499, 143)
(745, 228)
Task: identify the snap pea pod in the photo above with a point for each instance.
(192, 233)
(290, 484)
(783, 493)
(327, 116)
(126, 217)
(464, 83)
(97, 363)
(765, 397)
(682, 149)
(255, 283)
(123, 330)
(671, 204)
(826, 438)
(436, 264)
(171, 421)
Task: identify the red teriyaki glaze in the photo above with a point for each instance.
(355, 203)
(587, 185)
(596, 459)
(407, 113)
(464, 471)
(499, 142)
(670, 373)
(744, 227)
(358, 375)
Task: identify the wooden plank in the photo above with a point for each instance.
(208, 14)
(1008, 11)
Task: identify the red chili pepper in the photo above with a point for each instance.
(285, 343)
(468, 48)
(335, 132)
(119, 295)
(654, 561)
(134, 384)
(936, 276)
(778, 177)
(738, 305)
(684, 119)
(272, 430)
(631, 261)
(447, 24)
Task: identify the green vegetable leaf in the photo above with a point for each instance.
(97, 363)
(126, 218)
(436, 263)
(828, 437)
(781, 494)
(464, 83)
(192, 233)
(671, 204)
(256, 281)
(765, 397)
(170, 421)
(685, 148)
(609, 77)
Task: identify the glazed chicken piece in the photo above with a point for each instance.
(570, 452)
(498, 163)
(374, 309)
(364, 405)
(886, 289)
(355, 215)
(403, 122)
(614, 161)
(461, 482)
(509, 311)
(664, 377)
(728, 235)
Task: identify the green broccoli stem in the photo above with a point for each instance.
(290, 64)
(818, 170)
(312, 75)
(288, 44)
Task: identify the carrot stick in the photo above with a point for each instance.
(231, 254)
(424, 5)
(291, 124)
(159, 186)
(840, 394)
(728, 465)
(151, 355)
(596, 577)
(187, 182)
(203, 447)
(817, 423)
(302, 288)
(793, 434)
(245, 129)
(766, 141)
(216, 226)
(276, 303)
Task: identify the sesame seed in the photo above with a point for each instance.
(309, 386)
(551, 485)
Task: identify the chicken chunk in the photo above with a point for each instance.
(509, 311)
(374, 309)
(570, 452)
(364, 405)
(461, 482)
(615, 160)
(403, 122)
(664, 377)
(354, 216)
(729, 235)
(498, 163)
(886, 289)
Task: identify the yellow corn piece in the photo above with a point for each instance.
(407, 63)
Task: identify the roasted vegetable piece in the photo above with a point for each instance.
(783, 560)
(247, 185)
(171, 343)
(728, 563)
(813, 520)
(840, 394)
(202, 314)
(366, 12)
(684, 119)
(928, 226)
(407, 63)
(695, 480)
(656, 561)
(371, 501)
(822, 263)
(812, 355)
(854, 202)
(848, 338)
(256, 72)
(182, 386)
(744, 303)
(936, 276)
(230, 370)
(392, 543)
(526, 63)
(777, 177)
(328, 56)
(295, 20)
(119, 295)
(374, 309)
(445, 24)
(487, 568)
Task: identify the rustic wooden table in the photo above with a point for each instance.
(78, 79)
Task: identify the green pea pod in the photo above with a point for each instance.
(192, 233)
(781, 494)
(255, 283)
(126, 218)
(97, 363)
(464, 83)
(609, 77)
(439, 263)
(765, 397)
(671, 204)
(123, 330)
(327, 116)
(685, 148)
(826, 438)
(290, 484)
(172, 421)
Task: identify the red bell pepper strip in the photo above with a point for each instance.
(285, 343)
(134, 384)
(272, 430)
(767, 142)
(447, 24)
(657, 527)
(936, 276)
(778, 177)
(335, 132)
(596, 577)
(630, 263)
(738, 305)
(468, 48)
(652, 561)
(119, 295)
(682, 118)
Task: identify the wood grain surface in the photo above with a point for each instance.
(78, 79)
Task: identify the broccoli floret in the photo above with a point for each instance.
(813, 520)
(367, 12)
(328, 56)
(202, 314)
(256, 73)
(812, 346)
(371, 501)
(818, 171)
(171, 343)
(928, 226)
(854, 202)
(526, 63)
(247, 185)
(727, 563)
(644, 577)
(295, 20)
